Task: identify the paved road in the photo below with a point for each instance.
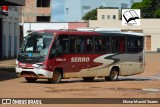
(146, 85)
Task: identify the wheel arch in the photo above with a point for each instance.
(115, 67)
(60, 69)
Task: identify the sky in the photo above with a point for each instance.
(58, 13)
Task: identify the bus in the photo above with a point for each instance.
(64, 54)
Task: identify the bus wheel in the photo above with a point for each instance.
(56, 78)
(114, 75)
(30, 80)
(88, 79)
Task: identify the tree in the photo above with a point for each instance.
(157, 13)
(91, 15)
(149, 8)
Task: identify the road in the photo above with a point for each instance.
(146, 85)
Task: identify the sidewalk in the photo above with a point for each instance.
(8, 65)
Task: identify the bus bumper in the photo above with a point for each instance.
(33, 73)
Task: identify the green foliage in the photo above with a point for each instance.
(149, 8)
(157, 13)
(91, 15)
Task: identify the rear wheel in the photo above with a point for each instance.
(113, 75)
(56, 78)
(88, 79)
(30, 80)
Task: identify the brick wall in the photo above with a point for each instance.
(74, 25)
(44, 11)
(31, 11)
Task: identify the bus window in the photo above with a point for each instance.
(89, 44)
(106, 44)
(72, 44)
(64, 42)
(134, 44)
(122, 44)
(30, 45)
(98, 44)
(139, 44)
(114, 44)
(52, 52)
(80, 44)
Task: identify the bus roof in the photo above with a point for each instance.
(90, 32)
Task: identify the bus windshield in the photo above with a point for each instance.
(36, 45)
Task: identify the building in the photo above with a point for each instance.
(36, 11)
(108, 14)
(9, 27)
(150, 27)
(27, 27)
(64, 11)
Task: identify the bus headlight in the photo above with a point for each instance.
(39, 66)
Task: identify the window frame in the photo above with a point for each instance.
(135, 49)
(104, 39)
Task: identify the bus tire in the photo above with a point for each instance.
(56, 78)
(88, 79)
(113, 75)
(30, 80)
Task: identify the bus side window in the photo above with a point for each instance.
(80, 44)
(114, 44)
(64, 43)
(52, 52)
(106, 44)
(134, 44)
(89, 44)
(139, 44)
(73, 44)
(122, 44)
(98, 44)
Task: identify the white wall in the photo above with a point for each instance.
(42, 26)
(109, 12)
(149, 27)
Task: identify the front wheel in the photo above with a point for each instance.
(113, 75)
(30, 80)
(56, 78)
(88, 79)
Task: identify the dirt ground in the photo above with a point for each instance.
(145, 85)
